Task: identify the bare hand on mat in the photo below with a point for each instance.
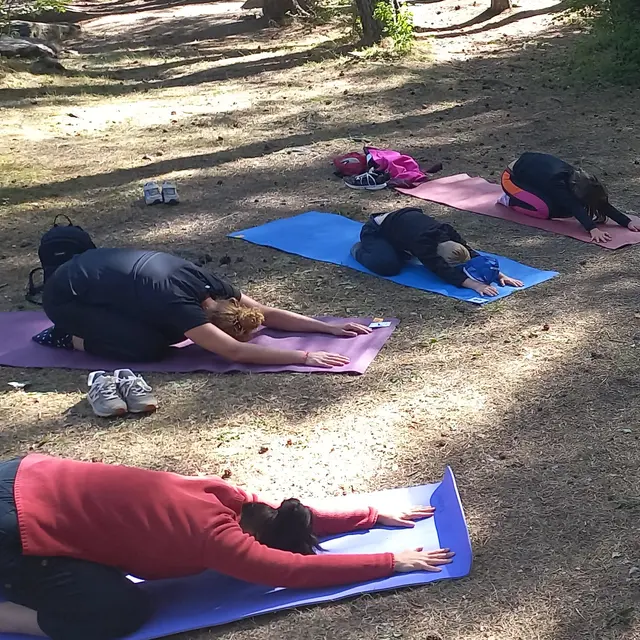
(633, 227)
(484, 289)
(599, 236)
(419, 560)
(324, 359)
(349, 330)
(506, 281)
(405, 518)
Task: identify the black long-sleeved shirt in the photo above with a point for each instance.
(549, 177)
(159, 289)
(413, 231)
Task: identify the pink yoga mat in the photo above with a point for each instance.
(479, 196)
(18, 350)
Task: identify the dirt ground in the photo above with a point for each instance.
(540, 426)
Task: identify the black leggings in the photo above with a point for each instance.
(376, 253)
(106, 332)
(74, 599)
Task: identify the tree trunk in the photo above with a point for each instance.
(371, 28)
(498, 6)
(276, 10)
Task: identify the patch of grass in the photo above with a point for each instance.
(337, 12)
(611, 51)
(495, 308)
(397, 26)
(386, 51)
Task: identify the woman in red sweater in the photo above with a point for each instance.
(70, 533)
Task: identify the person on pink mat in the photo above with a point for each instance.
(71, 532)
(543, 186)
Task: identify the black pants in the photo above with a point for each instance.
(106, 332)
(379, 255)
(376, 253)
(74, 599)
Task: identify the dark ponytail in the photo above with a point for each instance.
(288, 528)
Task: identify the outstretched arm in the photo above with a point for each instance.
(237, 554)
(619, 217)
(209, 337)
(290, 321)
(327, 522)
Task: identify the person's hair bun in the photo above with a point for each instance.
(292, 529)
(291, 504)
(235, 319)
(294, 513)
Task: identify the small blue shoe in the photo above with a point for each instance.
(51, 337)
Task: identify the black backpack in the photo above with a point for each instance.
(57, 246)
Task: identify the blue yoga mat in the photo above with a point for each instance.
(329, 237)
(211, 599)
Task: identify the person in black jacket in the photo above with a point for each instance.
(543, 186)
(129, 304)
(388, 240)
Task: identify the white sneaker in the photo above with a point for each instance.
(169, 193)
(103, 395)
(152, 193)
(135, 392)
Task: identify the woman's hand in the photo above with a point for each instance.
(419, 560)
(506, 281)
(633, 227)
(405, 518)
(599, 236)
(349, 330)
(326, 360)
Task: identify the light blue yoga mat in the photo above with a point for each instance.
(329, 237)
(210, 599)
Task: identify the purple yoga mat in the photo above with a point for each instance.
(18, 350)
(479, 196)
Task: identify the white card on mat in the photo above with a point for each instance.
(377, 325)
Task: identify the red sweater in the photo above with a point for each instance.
(154, 525)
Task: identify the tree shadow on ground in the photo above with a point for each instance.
(117, 7)
(460, 29)
(96, 9)
(178, 32)
(141, 78)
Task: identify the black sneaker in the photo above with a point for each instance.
(369, 181)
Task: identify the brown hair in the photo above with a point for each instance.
(235, 319)
(591, 192)
(453, 253)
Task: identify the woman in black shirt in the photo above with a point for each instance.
(127, 304)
